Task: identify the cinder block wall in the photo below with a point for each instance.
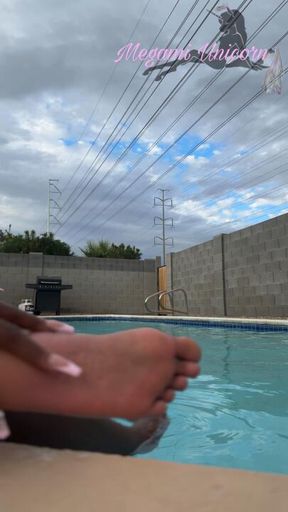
(243, 274)
(103, 286)
(199, 271)
(256, 270)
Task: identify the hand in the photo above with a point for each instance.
(15, 329)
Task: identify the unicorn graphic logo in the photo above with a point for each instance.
(229, 52)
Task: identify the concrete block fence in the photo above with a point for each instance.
(100, 286)
(242, 274)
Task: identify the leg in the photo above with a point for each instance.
(248, 64)
(193, 57)
(84, 434)
(172, 65)
(127, 374)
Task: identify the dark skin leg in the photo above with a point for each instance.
(256, 66)
(172, 65)
(79, 434)
(194, 58)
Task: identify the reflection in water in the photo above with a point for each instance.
(236, 413)
(226, 359)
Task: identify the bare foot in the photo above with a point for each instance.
(128, 374)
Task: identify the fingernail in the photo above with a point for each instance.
(66, 328)
(60, 364)
(4, 429)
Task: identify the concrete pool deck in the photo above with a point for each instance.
(44, 480)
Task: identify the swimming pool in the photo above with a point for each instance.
(236, 413)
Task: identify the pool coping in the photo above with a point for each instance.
(254, 324)
(39, 478)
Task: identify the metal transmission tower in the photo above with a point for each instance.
(164, 202)
(54, 193)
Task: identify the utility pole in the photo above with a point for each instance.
(163, 202)
(53, 204)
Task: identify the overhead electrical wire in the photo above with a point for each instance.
(233, 161)
(118, 103)
(100, 99)
(189, 106)
(120, 122)
(177, 140)
(164, 104)
(178, 118)
(251, 183)
(211, 134)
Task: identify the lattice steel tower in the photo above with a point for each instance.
(163, 202)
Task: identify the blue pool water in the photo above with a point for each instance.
(236, 413)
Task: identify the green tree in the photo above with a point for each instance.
(105, 249)
(31, 242)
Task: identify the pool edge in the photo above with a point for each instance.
(108, 482)
(254, 324)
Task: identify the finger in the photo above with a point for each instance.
(4, 428)
(188, 350)
(187, 369)
(56, 326)
(31, 322)
(18, 343)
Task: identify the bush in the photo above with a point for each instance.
(105, 249)
(30, 242)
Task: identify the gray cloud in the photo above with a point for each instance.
(55, 59)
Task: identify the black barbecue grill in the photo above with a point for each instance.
(48, 294)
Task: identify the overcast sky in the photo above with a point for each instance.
(59, 85)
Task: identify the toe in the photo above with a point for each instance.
(168, 395)
(180, 383)
(158, 409)
(188, 350)
(187, 369)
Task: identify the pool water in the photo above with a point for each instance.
(236, 413)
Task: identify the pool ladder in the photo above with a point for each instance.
(164, 309)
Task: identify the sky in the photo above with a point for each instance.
(59, 86)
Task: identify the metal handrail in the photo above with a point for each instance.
(162, 294)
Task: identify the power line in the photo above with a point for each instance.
(116, 106)
(279, 169)
(218, 128)
(256, 196)
(259, 196)
(221, 198)
(185, 110)
(100, 99)
(185, 133)
(120, 123)
(173, 124)
(175, 142)
(233, 161)
(162, 106)
(204, 114)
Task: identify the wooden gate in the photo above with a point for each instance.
(162, 285)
